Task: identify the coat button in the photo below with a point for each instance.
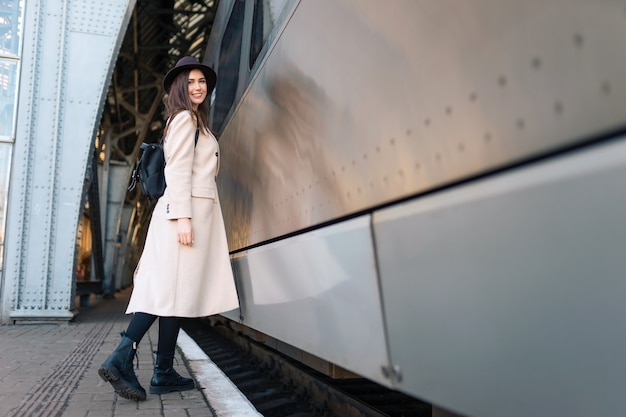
(216, 154)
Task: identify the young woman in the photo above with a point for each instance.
(184, 270)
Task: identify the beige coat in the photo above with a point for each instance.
(172, 279)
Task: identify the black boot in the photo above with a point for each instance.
(118, 371)
(166, 379)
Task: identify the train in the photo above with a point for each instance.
(431, 194)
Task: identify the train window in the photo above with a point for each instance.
(266, 13)
(228, 66)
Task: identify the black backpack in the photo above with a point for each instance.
(150, 170)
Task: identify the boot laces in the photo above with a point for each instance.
(136, 357)
(135, 350)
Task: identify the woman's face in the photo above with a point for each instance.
(196, 87)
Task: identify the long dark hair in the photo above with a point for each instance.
(177, 100)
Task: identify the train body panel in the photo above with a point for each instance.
(381, 103)
(502, 297)
(462, 130)
(319, 292)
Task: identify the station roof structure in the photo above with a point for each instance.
(159, 33)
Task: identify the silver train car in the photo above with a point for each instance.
(432, 193)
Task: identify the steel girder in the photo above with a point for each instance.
(69, 49)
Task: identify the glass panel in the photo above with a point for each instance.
(266, 13)
(10, 21)
(228, 69)
(8, 87)
(5, 158)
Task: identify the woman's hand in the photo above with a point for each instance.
(185, 232)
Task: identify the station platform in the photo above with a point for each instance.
(52, 370)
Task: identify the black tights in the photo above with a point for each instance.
(168, 331)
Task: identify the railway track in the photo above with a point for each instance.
(278, 386)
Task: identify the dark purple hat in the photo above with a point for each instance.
(189, 63)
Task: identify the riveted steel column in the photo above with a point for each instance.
(70, 47)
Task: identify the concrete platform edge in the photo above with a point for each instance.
(222, 395)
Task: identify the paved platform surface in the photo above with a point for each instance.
(52, 370)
